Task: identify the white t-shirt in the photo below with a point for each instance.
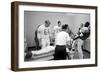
(56, 29)
(62, 38)
(43, 32)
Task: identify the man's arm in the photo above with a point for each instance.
(39, 34)
(69, 41)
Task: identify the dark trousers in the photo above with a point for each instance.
(60, 52)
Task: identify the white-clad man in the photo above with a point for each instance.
(61, 40)
(44, 34)
(57, 28)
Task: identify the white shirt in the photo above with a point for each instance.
(62, 38)
(43, 32)
(56, 29)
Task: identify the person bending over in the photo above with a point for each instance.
(83, 34)
(61, 40)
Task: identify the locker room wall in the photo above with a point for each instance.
(33, 19)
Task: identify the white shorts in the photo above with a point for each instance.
(45, 42)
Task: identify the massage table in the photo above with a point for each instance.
(43, 54)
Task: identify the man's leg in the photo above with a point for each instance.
(79, 48)
(47, 42)
(43, 43)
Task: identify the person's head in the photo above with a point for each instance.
(65, 27)
(47, 23)
(87, 24)
(59, 23)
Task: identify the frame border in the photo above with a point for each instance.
(14, 35)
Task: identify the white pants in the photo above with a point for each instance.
(79, 48)
(45, 42)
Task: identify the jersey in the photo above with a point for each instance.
(43, 32)
(85, 33)
(57, 29)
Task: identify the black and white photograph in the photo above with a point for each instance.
(56, 36)
(51, 36)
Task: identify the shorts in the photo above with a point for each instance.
(60, 52)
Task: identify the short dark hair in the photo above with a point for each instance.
(59, 22)
(65, 26)
(46, 21)
(87, 24)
